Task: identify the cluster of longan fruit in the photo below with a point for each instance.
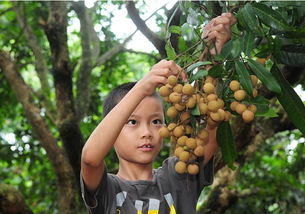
(189, 140)
(246, 111)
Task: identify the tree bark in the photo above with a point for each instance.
(12, 201)
(158, 42)
(65, 180)
(68, 126)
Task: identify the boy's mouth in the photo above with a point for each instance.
(146, 147)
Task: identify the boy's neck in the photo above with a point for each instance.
(133, 171)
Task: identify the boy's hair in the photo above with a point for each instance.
(115, 96)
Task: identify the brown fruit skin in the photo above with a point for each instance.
(215, 116)
(193, 169)
(211, 97)
(178, 88)
(178, 131)
(187, 89)
(252, 108)
(179, 107)
(248, 116)
(185, 117)
(172, 80)
(178, 150)
(234, 85)
(228, 116)
(240, 108)
(181, 140)
(164, 91)
(254, 92)
(184, 156)
(199, 151)
(239, 95)
(191, 143)
(233, 105)
(163, 132)
(208, 88)
(203, 134)
(191, 102)
(188, 129)
(175, 97)
(180, 167)
(254, 80)
(171, 126)
(200, 142)
(211, 122)
(213, 105)
(171, 112)
(203, 108)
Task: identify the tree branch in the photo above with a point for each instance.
(143, 53)
(62, 168)
(141, 25)
(40, 62)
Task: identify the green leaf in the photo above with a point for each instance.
(171, 54)
(181, 44)
(290, 101)
(262, 105)
(249, 43)
(200, 74)
(226, 50)
(292, 55)
(270, 112)
(265, 76)
(195, 111)
(236, 48)
(270, 17)
(249, 20)
(244, 77)
(226, 142)
(175, 29)
(196, 65)
(216, 70)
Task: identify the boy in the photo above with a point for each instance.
(133, 115)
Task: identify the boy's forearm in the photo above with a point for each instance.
(211, 147)
(105, 134)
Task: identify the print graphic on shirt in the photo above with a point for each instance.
(170, 201)
(153, 206)
(139, 206)
(120, 198)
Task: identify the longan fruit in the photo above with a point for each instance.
(175, 97)
(222, 114)
(178, 131)
(240, 108)
(233, 105)
(254, 80)
(239, 95)
(193, 169)
(172, 80)
(184, 156)
(179, 107)
(209, 79)
(181, 140)
(248, 116)
(211, 122)
(198, 97)
(191, 102)
(228, 116)
(252, 108)
(166, 99)
(185, 117)
(213, 105)
(211, 97)
(178, 88)
(178, 150)
(200, 142)
(164, 91)
(187, 89)
(221, 103)
(191, 143)
(199, 151)
(254, 92)
(203, 134)
(180, 167)
(171, 112)
(208, 88)
(171, 126)
(192, 157)
(215, 116)
(188, 129)
(163, 132)
(234, 85)
(203, 108)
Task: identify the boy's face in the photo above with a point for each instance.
(139, 141)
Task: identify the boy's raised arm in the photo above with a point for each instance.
(105, 134)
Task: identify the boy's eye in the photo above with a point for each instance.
(157, 121)
(131, 122)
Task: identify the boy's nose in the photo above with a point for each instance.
(145, 132)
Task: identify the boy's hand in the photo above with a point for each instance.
(219, 30)
(158, 75)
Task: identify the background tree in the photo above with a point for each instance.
(54, 80)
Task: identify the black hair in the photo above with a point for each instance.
(115, 96)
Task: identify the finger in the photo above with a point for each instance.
(174, 69)
(222, 20)
(160, 80)
(184, 77)
(231, 17)
(165, 72)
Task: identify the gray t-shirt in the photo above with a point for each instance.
(168, 192)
